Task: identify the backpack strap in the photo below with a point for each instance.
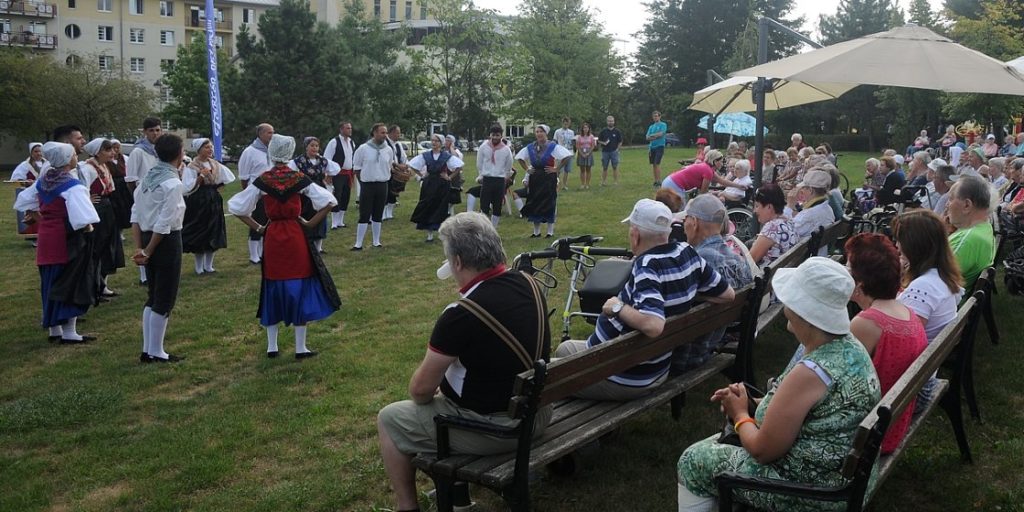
(503, 333)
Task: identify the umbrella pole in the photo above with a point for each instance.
(762, 57)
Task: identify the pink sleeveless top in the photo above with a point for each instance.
(900, 344)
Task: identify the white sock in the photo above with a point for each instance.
(536, 228)
(208, 262)
(551, 228)
(430, 235)
(259, 246)
(199, 262)
(272, 331)
(334, 220)
(451, 209)
(254, 250)
(519, 203)
(690, 502)
(70, 329)
(157, 331)
(142, 274)
(375, 227)
(300, 339)
(356, 190)
(319, 244)
(389, 211)
(341, 218)
(495, 220)
(360, 234)
(470, 203)
(56, 330)
(146, 313)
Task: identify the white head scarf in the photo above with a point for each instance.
(115, 142)
(546, 128)
(197, 144)
(450, 138)
(93, 147)
(32, 145)
(440, 138)
(281, 148)
(58, 153)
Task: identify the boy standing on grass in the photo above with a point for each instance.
(157, 217)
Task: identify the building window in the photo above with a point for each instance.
(376, 9)
(106, 62)
(104, 5)
(106, 33)
(423, 9)
(166, 8)
(138, 65)
(71, 4)
(73, 31)
(167, 37)
(166, 65)
(408, 9)
(137, 35)
(135, 6)
(393, 10)
(72, 60)
(5, 25)
(248, 16)
(37, 28)
(515, 131)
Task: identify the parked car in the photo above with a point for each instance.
(672, 139)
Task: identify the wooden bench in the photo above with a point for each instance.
(577, 422)
(829, 237)
(863, 456)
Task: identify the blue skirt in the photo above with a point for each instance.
(55, 312)
(294, 302)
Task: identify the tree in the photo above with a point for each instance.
(744, 49)
(856, 18)
(559, 52)
(26, 113)
(190, 91)
(922, 15)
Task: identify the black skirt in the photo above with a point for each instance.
(122, 200)
(432, 208)
(107, 246)
(204, 229)
(541, 197)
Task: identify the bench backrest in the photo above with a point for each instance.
(986, 282)
(791, 258)
(568, 375)
(828, 236)
(868, 441)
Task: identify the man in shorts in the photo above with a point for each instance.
(656, 149)
(566, 138)
(609, 140)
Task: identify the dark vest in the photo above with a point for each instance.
(339, 151)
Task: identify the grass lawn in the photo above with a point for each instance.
(89, 428)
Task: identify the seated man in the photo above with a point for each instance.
(973, 242)
(815, 212)
(469, 369)
(665, 281)
(705, 215)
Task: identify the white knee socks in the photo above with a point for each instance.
(360, 234)
(536, 229)
(319, 244)
(495, 220)
(375, 227)
(519, 203)
(200, 259)
(272, 331)
(389, 211)
(70, 329)
(142, 274)
(146, 313)
(341, 218)
(56, 330)
(551, 229)
(254, 251)
(300, 339)
(157, 330)
(470, 203)
(208, 262)
(430, 235)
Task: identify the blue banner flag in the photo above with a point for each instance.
(216, 127)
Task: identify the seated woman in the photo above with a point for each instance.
(778, 234)
(699, 176)
(805, 424)
(889, 330)
(931, 276)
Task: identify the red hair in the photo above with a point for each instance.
(874, 264)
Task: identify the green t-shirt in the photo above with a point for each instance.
(974, 248)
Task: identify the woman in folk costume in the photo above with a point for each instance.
(296, 287)
(27, 173)
(455, 196)
(122, 198)
(58, 203)
(436, 168)
(204, 230)
(542, 160)
(317, 169)
(107, 247)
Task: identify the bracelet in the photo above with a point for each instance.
(143, 253)
(740, 423)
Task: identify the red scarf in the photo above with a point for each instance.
(483, 276)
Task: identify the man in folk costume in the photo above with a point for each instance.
(542, 161)
(141, 160)
(254, 162)
(157, 217)
(372, 164)
(494, 161)
(61, 206)
(400, 164)
(296, 288)
(340, 150)
(71, 134)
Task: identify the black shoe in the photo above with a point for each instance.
(306, 355)
(429, 241)
(536, 235)
(379, 246)
(273, 354)
(111, 293)
(171, 358)
(254, 262)
(323, 251)
(354, 248)
(53, 339)
(85, 339)
(145, 358)
(102, 299)
(143, 283)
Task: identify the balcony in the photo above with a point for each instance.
(28, 40)
(22, 8)
(194, 22)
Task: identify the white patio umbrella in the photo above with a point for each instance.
(926, 61)
(1017, 64)
(733, 95)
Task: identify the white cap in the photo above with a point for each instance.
(444, 271)
(816, 178)
(650, 215)
(899, 159)
(936, 163)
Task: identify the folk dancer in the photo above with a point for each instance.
(340, 150)
(494, 161)
(108, 250)
(372, 164)
(203, 231)
(542, 161)
(401, 164)
(141, 160)
(317, 169)
(436, 168)
(254, 162)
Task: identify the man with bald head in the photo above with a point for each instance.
(254, 162)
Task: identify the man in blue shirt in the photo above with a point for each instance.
(656, 135)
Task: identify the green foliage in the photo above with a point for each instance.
(922, 15)
(25, 112)
(190, 88)
(562, 64)
(856, 18)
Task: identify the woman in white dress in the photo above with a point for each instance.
(203, 231)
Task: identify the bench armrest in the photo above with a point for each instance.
(729, 481)
(443, 422)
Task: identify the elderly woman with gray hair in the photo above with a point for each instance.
(204, 230)
(296, 287)
(62, 207)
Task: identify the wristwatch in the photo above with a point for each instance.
(617, 308)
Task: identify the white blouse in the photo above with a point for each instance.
(332, 167)
(420, 163)
(243, 203)
(373, 165)
(23, 169)
(81, 211)
(190, 177)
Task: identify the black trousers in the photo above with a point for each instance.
(342, 192)
(492, 194)
(163, 272)
(373, 195)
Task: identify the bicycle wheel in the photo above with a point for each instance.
(745, 222)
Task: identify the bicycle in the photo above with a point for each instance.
(607, 281)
